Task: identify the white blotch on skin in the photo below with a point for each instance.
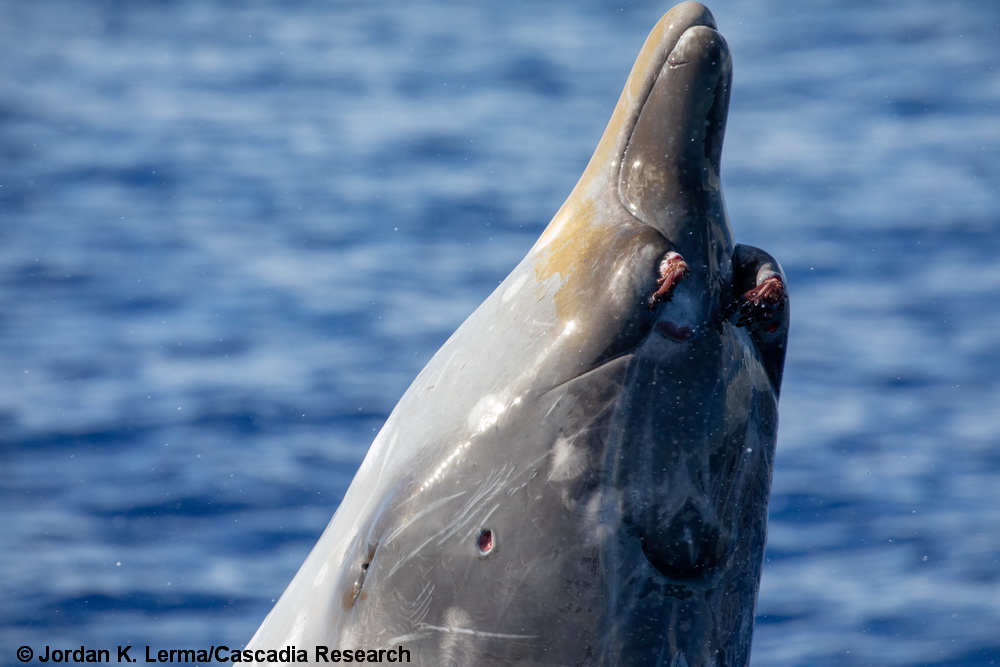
(602, 515)
(484, 416)
(348, 636)
(456, 617)
(486, 413)
(568, 462)
(456, 646)
(515, 287)
(298, 628)
(320, 578)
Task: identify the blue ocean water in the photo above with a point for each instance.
(231, 233)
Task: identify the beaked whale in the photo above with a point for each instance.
(580, 476)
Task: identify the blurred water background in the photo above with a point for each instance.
(231, 233)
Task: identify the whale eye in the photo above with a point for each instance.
(485, 542)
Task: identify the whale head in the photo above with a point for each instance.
(581, 474)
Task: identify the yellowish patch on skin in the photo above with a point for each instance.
(576, 236)
(640, 82)
(571, 238)
(570, 255)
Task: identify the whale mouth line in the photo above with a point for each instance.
(623, 357)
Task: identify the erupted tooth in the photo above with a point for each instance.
(673, 269)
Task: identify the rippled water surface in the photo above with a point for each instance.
(231, 233)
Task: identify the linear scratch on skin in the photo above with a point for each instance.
(422, 513)
(441, 535)
(499, 480)
(493, 485)
(553, 407)
(475, 633)
(408, 638)
(422, 603)
(413, 552)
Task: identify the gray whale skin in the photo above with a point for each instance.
(580, 476)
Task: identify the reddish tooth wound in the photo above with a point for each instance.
(673, 269)
(763, 303)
